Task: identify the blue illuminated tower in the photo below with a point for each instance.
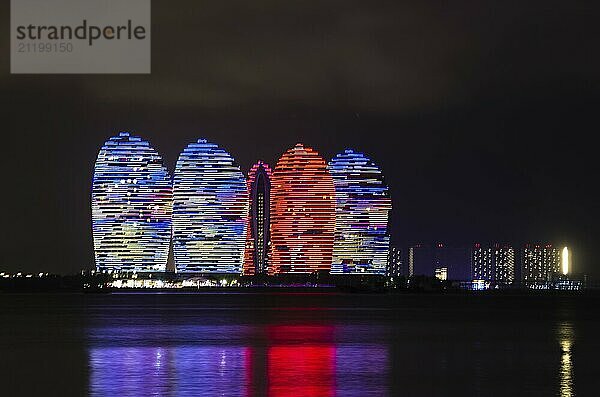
(210, 209)
(131, 206)
(363, 204)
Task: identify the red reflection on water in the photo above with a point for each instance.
(300, 361)
(301, 371)
(289, 334)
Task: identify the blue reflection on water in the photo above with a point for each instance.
(170, 371)
(362, 370)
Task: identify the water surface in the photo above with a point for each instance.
(324, 344)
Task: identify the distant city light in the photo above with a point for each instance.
(494, 262)
(441, 273)
(539, 263)
(480, 285)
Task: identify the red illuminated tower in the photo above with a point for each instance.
(302, 213)
(258, 236)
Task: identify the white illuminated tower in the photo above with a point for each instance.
(131, 206)
(482, 263)
(493, 263)
(504, 264)
(363, 205)
(394, 266)
(210, 207)
(565, 261)
(540, 262)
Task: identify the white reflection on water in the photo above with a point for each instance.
(566, 339)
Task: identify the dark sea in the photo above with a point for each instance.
(298, 344)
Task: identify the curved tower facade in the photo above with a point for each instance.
(362, 211)
(210, 208)
(131, 206)
(259, 234)
(302, 213)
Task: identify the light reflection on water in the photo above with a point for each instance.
(177, 371)
(566, 339)
(279, 360)
(172, 346)
(286, 344)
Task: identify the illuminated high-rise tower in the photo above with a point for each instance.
(539, 263)
(482, 263)
(210, 207)
(493, 263)
(131, 206)
(395, 264)
(259, 233)
(504, 263)
(302, 213)
(363, 203)
(565, 260)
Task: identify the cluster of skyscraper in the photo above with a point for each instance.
(304, 216)
(495, 263)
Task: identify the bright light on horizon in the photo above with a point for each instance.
(565, 261)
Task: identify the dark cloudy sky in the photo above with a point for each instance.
(482, 114)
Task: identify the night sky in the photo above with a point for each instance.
(481, 114)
